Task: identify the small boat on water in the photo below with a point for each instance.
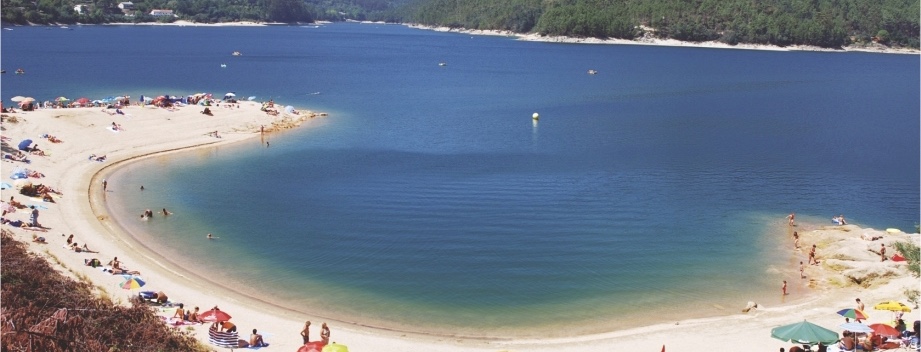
(592, 72)
(223, 65)
(20, 71)
(237, 53)
(442, 64)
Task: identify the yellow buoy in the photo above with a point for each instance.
(535, 116)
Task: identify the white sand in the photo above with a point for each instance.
(149, 130)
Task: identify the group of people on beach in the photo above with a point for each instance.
(324, 333)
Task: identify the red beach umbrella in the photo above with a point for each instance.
(214, 315)
(884, 330)
(83, 101)
(312, 346)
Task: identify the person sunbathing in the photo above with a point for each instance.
(117, 271)
(38, 239)
(54, 139)
(34, 174)
(14, 223)
(16, 204)
(255, 340)
(19, 156)
(847, 342)
(35, 151)
(92, 262)
(194, 316)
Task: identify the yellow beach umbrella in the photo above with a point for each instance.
(334, 347)
(894, 306)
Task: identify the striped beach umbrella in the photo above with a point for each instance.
(132, 283)
(853, 314)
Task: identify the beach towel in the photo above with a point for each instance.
(112, 129)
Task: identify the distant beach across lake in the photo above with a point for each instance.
(434, 200)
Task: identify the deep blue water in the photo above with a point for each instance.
(429, 199)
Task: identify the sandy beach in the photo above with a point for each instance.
(849, 268)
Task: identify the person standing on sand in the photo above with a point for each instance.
(324, 334)
(802, 275)
(860, 307)
(305, 334)
(812, 260)
(34, 217)
(784, 287)
(105, 185)
(882, 252)
(795, 240)
(791, 217)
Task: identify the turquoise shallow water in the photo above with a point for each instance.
(429, 200)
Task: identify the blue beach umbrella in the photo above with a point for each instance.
(24, 145)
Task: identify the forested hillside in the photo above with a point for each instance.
(826, 23)
(204, 11)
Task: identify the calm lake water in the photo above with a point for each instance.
(429, 200)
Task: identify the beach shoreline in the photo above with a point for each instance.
(535, 37)
(83, 211)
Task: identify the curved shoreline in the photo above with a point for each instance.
(81, 178)
(535, 37)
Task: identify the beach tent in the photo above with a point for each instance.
(24, 144)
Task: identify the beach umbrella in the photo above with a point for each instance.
(5, 185)
(289, 109)
(312, 346)
(24, 144)
(803, 332)
(853, 314)
(61, 99)
(18, 98)
(231, 94)
(214, 315)
(251, 98)
(855, 327)
(83, 101)
(884, 330)
(335, 347)
(132, 283)
(894, 306)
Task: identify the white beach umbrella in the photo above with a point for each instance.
(230, 94)
(18, 98)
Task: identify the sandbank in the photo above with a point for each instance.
(846, 258)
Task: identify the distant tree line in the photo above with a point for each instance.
(203, 11)
(825, 23)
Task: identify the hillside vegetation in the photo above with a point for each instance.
(46, 311)
(825, 23)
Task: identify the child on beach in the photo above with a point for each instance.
(784, 287)
(802, 275)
